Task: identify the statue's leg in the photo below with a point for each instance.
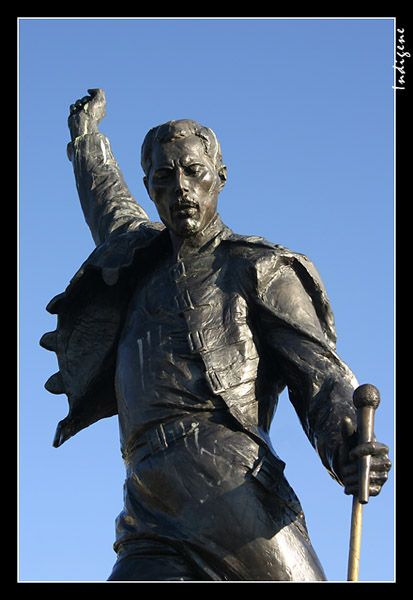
(221, 505)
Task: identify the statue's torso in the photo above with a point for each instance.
(159, 377)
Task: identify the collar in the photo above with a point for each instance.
(206, 240)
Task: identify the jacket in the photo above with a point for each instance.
(269, 326)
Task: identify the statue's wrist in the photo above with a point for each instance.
(84, 128)
(76, 142)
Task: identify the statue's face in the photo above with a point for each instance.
(184, 185)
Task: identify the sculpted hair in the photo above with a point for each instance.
(174, 130)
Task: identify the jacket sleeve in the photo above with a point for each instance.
(106, 201)
(297, 328)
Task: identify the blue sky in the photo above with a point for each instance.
(304, 111)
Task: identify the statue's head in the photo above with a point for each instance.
(184, 174)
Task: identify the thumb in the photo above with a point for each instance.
(347, 428)
(97, 104)
(98, 95)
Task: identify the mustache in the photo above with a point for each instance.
(184, 202)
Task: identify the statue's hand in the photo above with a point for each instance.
(87, 113)
(350, 452)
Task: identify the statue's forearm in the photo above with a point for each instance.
(105, 198)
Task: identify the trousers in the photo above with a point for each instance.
(212, 505)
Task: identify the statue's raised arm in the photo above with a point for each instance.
(106, 201)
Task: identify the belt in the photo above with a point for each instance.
(159, 438)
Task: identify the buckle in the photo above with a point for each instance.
(161, 436)
(215, 382)
(184, 301)
(196, 340)
(156, 438)
(178, 270)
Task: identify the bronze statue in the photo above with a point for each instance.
(189, 332)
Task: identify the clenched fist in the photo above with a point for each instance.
(351, 452)
(87, 113)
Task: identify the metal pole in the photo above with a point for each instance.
(355, 540)
(366, 399)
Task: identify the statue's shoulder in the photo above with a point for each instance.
(257, 250)
(260, 249)
(253, 244)
(110, 258)
(267, 260)
(119, 250)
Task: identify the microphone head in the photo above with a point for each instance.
(366, 395)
